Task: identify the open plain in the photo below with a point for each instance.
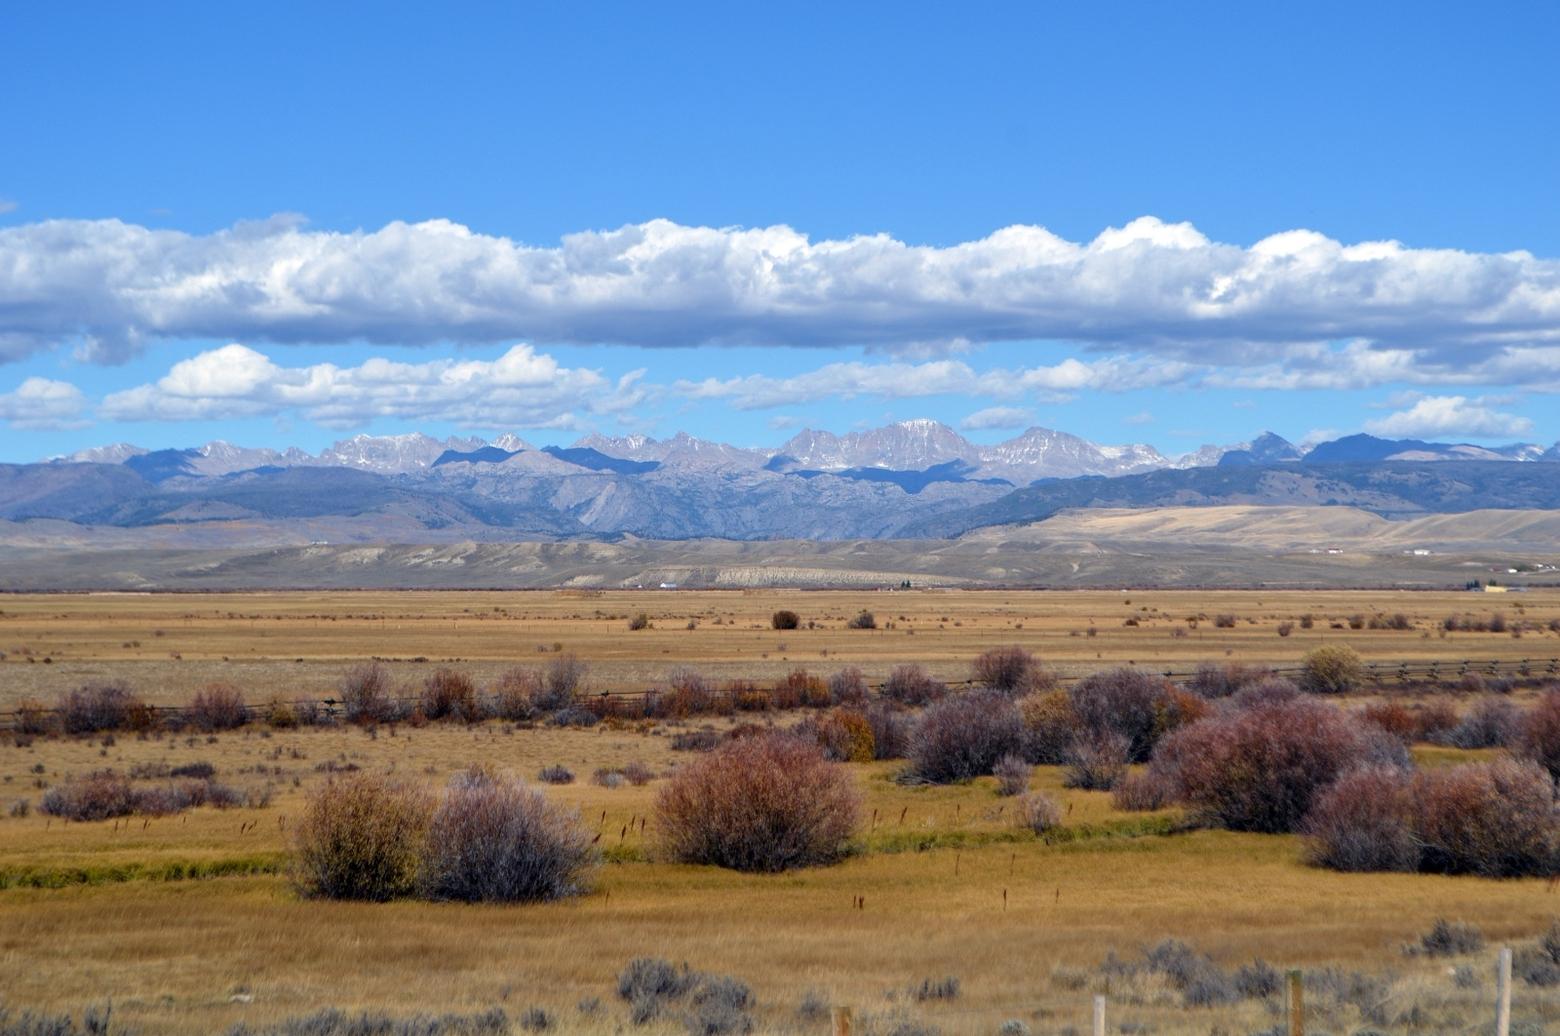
(189, 923)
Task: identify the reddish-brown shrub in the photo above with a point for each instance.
(97, 796)
(1434, 717)
(912, 685)
(1394, 717)
(365, 693)
(33, 719)
(95, 707)
(891, 730)
(964, 735)
(1003, 668)
(361, 837)
(1050, 726)
(1496, 819)
(1133, 703)
(451, 694)
(1212, 680)
(216, 706)
(1096, 761)
(766, 803)
(1364, 821)
(848, 686)
(800, 688)
(688, 693)
(1539, 736)
(1141, 792)
(492, 839)
(1260, 768)
(105, 794)
(1269, 691)
(785, 619)
(515, 693)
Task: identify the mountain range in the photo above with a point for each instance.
(913, 445)
(912, 479)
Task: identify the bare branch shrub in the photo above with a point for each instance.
(963, 736)
(765, 803)
(492, 839)
(365, 693)
(216, 706)
(450, 694)
(912, 685)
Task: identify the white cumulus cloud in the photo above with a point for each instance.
(42, 403)
(998, 417)
(521, 388)
(1449, 415)
(107, 287)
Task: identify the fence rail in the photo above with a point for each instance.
(609, 702)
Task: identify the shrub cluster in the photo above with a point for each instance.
(710, 1004)
(487, 838)
(785, 619)
(1133, 704)
(450, 694)
(492, 839)
(768, 803)
(1496, 819)
(1259, 768)
(217, 706)
(848, 686)
(105, 794)
(1011, 669)
(95, 707)
(964, 735)
(1539, 735)
(912, 685)
(365, 693)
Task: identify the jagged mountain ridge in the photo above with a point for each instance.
(909, 446)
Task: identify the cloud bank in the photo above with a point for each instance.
(107, 287)
(522, 388)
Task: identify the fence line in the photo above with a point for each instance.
(609, 702)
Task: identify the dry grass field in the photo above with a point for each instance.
(189, 924)
(295, 644)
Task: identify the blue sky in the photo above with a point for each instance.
(282, 224)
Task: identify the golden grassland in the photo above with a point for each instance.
(951, 886)
(120, 909)
(296, 643)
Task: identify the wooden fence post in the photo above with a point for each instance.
(1099, 1016)
(1503, 993)
(1296, 1003)
(842, 1021)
